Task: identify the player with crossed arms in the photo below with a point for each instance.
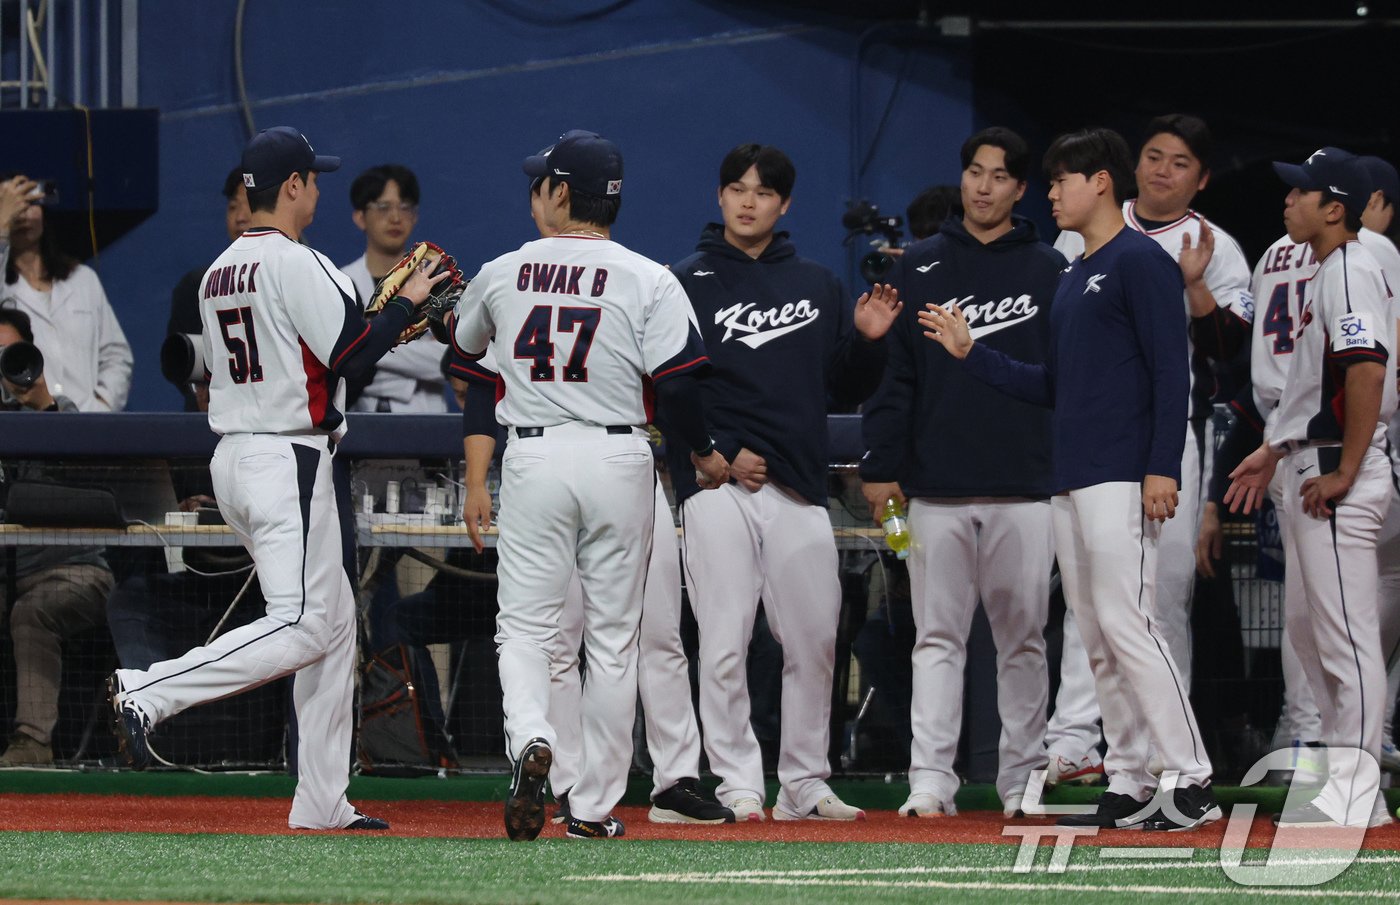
(577, 474)
(282, 331)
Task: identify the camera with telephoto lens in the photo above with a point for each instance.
(863, 219)
(22, 364)
(182, 359)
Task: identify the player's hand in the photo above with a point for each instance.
(197, 502)
(1195, 259)
(1320, 494)
(476, 512)
(1158, 497)
(876, 311)
(749, 469)
(1249, 482)
(893, 251)
(878, 493)
(710, 471)
(947, 327)
(14, 200)
(419, 285)
(1210, 543)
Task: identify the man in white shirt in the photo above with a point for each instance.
(385, 201)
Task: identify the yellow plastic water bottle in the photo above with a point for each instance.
(896, 527)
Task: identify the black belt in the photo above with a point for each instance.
(523, 432)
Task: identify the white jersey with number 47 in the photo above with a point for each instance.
(576, 323)
(276, 315)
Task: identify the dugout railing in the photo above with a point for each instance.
(115, 482)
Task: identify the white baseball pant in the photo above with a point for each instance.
(1107, 551)
(998, 551)
(1388, 560)
(1300, 713)
(739, 547)
(663, 672)
(275, 492)
(1337, 632)
(575, 496)
(1073, 727)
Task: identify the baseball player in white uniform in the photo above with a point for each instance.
(577, 323)
(281, 330)
(1171, 169)
(663, 670)
(1330, 435)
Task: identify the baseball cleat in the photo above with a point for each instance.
(829, 808)
(1115, 812)
(607, 828)
(130, 726)
(366, 822)
(747, 810)
(682, 803)
(1011, 807)
(1194, 806)
(924, 804)
(1085, 771)
(525, 803)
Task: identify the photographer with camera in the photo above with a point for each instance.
(976, 465)
(88, 359)
(57, 590)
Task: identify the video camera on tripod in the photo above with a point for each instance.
(863, 219)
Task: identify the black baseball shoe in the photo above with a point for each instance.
(1115, 811)
(607, 828)
(682, 803)
(1194, 805)
(366, 822)
(561, 813)
(130, 727)
(525, 803)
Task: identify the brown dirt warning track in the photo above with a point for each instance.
(482, 820)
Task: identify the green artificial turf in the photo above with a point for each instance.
(396, 870)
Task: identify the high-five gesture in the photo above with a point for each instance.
(947, 327)
(876, 311)
(1194, 259)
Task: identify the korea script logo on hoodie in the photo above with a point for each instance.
(759, 326)
(989, 317)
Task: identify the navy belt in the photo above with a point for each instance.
(523, 432)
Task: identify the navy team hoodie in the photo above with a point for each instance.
(933, 427)
(779, 333)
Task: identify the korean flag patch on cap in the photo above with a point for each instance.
(1352, 331)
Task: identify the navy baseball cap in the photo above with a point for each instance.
(274, 154)
(587, 161)
(1330, 170)
(1383, 177)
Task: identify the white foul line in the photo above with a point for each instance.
(864, 877)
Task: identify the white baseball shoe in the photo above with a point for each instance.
(747, 810)
(1390, 757)
(829, 808)
(1085, 771)
(1011, 807)
(925, 804)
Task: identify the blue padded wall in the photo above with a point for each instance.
(461, 91)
